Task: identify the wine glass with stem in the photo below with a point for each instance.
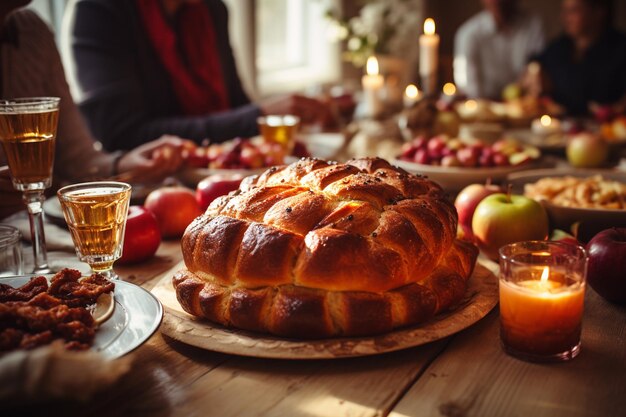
(96, 214)
(28, 128)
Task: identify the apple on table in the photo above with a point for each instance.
(216, 186)
(142, 236)
(587, 150)
(174, 208)
(500, 219)
(606, 272)
(467, 201)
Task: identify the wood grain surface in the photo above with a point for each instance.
(481, 297)
(464, 375)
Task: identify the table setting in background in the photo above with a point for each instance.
(428, 252)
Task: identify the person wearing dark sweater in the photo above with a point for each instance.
(586, 66)
(30, 66)
(145, 68)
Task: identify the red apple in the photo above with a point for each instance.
(606, 271)
(500, 159)
(468, 157)
(142, 236)
(604, 113)
(466, 203)
(215, 186)
(421, 157)
(587, 151)
(501, 219)
(198, 158)
(174, 208)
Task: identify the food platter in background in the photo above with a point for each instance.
(454, 179)
(591, 219)
(319, 145)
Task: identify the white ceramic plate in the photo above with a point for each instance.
(455, 178)
(136, 317)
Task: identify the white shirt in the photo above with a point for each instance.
(486, 59)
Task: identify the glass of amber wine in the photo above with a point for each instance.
(96, 215)
(28, 128)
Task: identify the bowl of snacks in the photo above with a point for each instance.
(455, 163)
(593, 199)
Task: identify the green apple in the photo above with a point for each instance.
(586, 150)
(500, 219)
(511, 92)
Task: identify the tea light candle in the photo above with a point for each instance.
(429, 49)
(541, 317)
(372, 83)
(546, 125)
(411, 95)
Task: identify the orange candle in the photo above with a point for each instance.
(541, 304)
(541, 317)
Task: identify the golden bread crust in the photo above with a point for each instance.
(317, 250)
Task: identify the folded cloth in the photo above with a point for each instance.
(52, 372)
(57, 238)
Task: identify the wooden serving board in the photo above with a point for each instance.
(481, 297)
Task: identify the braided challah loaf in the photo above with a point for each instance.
(316, 250)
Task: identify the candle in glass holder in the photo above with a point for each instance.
(372, 83)
(542, 288)
(546, 125)
(411, 95)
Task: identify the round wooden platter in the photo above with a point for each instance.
(481, 297)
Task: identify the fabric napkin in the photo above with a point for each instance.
(57, 238)
(52, 372)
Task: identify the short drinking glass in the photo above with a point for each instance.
(10, 251)
(96, 215)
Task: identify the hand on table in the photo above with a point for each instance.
(308, 109)
(153, 161)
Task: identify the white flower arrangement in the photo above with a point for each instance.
(386, 27)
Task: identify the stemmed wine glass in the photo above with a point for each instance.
(96, 215)
(28, 128)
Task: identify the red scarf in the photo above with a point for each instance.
(189, 55)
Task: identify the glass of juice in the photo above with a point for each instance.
(28, 128)
(96, 215)
(280, 129)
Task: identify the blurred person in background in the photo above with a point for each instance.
(585, 67)
(30, 66)
(492, 49)
(150, 67)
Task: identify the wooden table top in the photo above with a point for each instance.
(463, 375)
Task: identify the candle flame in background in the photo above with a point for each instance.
(429, 26)
(449, 89)
(372, 66)
(412, 91)
(545, 274)
(546, 120)
(471, 105)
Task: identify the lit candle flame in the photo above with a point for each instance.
(449, 89)
(411, 91)
(372, 66)
(471, 105)
(546, 120)
(429, 26)
(545, 274)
